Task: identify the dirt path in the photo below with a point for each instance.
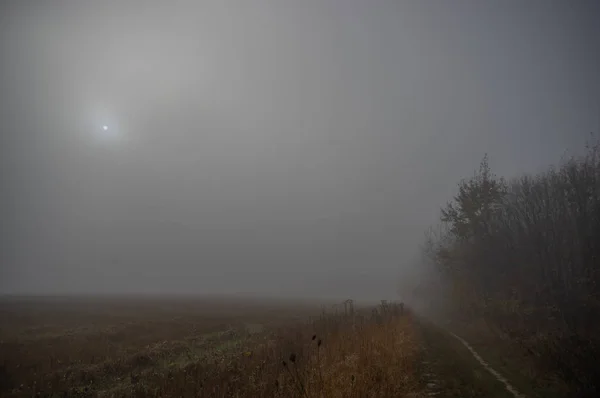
(483, 363)
(450, 368)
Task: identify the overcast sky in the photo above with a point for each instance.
(284, 147)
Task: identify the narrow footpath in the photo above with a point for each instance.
(451, 368)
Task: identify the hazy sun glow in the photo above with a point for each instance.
(102, 123)
(107, 132)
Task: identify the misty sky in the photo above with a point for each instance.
(284, 147)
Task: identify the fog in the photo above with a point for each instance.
(281, 148)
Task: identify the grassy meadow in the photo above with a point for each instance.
(209, 346)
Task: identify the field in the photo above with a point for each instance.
(209, 346)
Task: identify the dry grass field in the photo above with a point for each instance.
(177, 346)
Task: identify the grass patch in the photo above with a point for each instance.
(152, 348)
(511, 360)
(455, 371)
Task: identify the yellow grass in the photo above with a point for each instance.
(202, 348)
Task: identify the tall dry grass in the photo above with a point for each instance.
(333, 356)
(198, 351)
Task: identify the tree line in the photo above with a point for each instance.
(523, 254)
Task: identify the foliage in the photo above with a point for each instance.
(476, 204)
(524, 255)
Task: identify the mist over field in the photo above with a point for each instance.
(276, 148)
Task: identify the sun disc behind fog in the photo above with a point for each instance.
(107, 132)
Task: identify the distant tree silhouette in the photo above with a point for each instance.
(477, 202)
